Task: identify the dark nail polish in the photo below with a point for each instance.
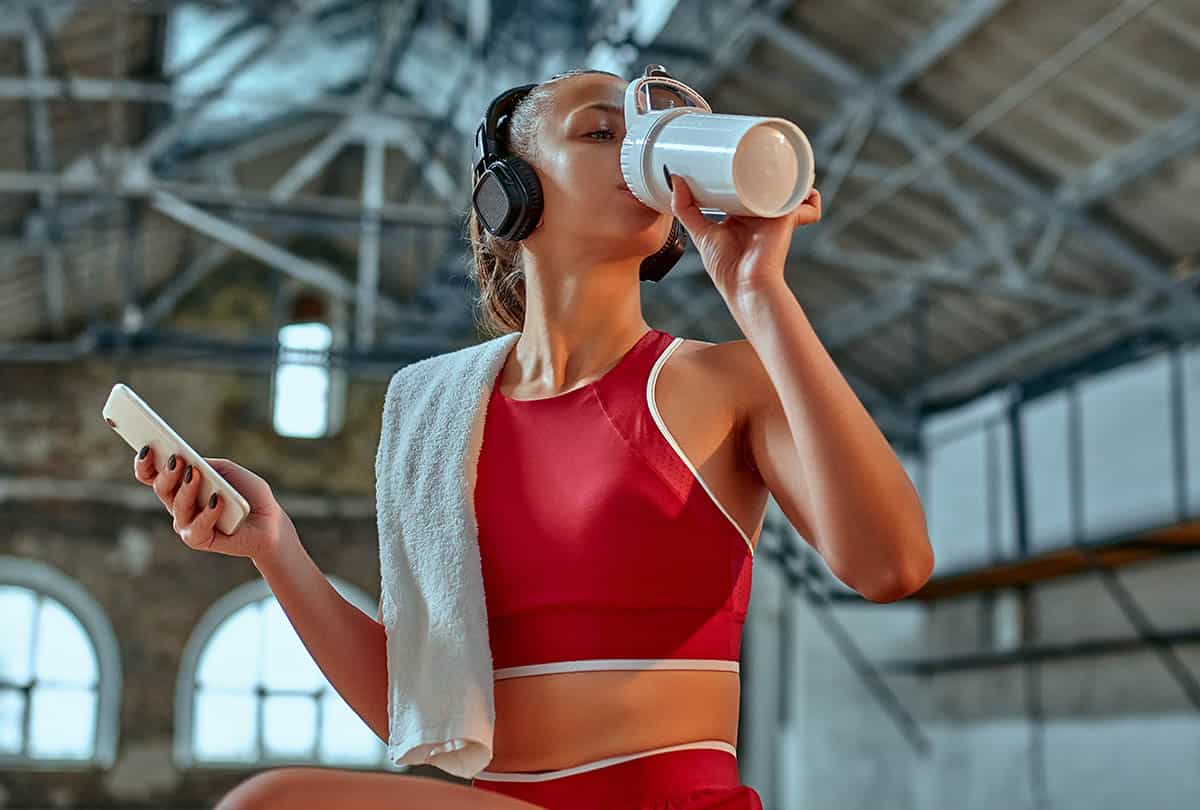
(142, 453)
(667, 174)
(187, 475)
(171, 462)
(212, 502)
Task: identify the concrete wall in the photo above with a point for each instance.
(815, 734)
(1115, 730)
(1105, 731)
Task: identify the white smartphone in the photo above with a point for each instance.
(138, 424)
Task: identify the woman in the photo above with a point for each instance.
(720, 425)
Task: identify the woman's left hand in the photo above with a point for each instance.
(740, 253)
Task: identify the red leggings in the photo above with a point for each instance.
(693, 776)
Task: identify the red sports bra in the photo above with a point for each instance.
(601, 547)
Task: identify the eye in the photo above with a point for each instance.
(608, 131)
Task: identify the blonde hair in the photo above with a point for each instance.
(496, 264)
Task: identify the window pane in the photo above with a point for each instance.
(302, 380)
(62, 723)
(16, 606)
(290, 725)
(12, 704)
(345, 738)
(230, 660)
(65, 656)
(301, 400)
(286, 661)
(306, 337)
(224, 725)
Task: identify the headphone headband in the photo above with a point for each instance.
(487, 145)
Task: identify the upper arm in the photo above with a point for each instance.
(766, 440)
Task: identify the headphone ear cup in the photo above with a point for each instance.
(492, 200)
(678, 233)
(529, 189)
(659, 263)
(508, 199)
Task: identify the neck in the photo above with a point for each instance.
(577, 325)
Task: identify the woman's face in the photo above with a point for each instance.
(579, 164)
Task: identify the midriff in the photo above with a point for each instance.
(562, 719)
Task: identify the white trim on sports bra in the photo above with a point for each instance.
(658, 420)
(542, 776)
(617, 663)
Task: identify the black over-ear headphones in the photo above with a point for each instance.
(507, 194)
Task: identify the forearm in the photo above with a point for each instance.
(348, 646)
(870, 521)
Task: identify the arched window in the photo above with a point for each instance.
(307, 390)
(60, 671)
(249, 693)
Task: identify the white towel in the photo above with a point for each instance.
(440, 701)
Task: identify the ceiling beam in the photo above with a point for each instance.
(41, 147)
(84, 88)
(165, 136)
(137, 186)
(306, 270)
(1129, 317)
(1028, 193)
(1052, 207)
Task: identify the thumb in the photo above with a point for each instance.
(252, 487)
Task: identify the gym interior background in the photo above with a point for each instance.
(251, 213)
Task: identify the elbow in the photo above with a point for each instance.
(901, 579)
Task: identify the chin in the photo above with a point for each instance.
(649, 219)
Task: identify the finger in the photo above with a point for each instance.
(805, 217)
(223, 466)
(201, 532)
(684, 207)
(185, 498)
(166, 480)
(143, 466)
(808, 211)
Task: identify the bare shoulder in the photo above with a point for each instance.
(732, 369)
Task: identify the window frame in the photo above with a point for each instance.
(47, 580)
(225, 607)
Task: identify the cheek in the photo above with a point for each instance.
(590, 170)
(564, 174)
(581, 180)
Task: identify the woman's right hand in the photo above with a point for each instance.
(259, 532)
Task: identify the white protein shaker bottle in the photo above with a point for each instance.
(744, 165)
